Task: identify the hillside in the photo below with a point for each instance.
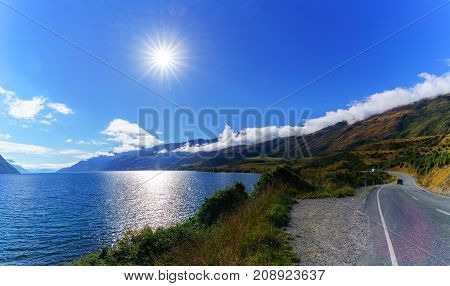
(414, 139)
(148, 159)
(424, 118)
(21, 169)
(6, 168)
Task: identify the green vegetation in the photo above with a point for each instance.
(337, 175)
(428, 117)
(426, 157)
(424, 163)
(221, 203)
(330, 192)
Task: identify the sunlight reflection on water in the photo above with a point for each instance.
(54, 218)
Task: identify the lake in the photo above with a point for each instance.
(51, 219)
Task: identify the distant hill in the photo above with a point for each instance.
(154, 158)
(21, 169)
(6, 168)
(428, 117)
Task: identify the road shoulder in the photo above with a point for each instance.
(331, 231)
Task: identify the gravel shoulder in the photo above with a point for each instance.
(331, 231)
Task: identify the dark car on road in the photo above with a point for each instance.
(399, 182)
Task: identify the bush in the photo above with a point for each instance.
(222, 202)
(282, 176)
(144, 247)
(343, 176)
(330, 193)
(344, 192)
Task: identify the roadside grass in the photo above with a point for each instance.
(346, 191)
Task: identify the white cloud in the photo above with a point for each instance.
(248, 136)
(445, 61)
(47, 122)
(83, 155)
(89, 155)
(46, 166)
(71, 152)
(95, 142)
(130, 135)
(69, 140)
(5, 136)
(10, 147)
(48, 116)
(26, 109)
(8, 94)
(92, 142)
(375, 104)
(30, 109)
(380, 102)
(60, 107)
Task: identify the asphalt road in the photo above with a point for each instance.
(408, 226)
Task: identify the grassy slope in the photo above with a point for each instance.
(426, 157)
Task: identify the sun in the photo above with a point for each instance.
(163, 57)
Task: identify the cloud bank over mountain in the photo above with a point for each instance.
(383, 101)
(377, 103)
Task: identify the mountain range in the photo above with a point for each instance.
(428, 117)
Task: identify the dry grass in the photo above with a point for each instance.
(438, 180)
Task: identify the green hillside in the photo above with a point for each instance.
(412, 138)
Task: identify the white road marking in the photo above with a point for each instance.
(414, 197)
(444, 212)
(386, 232)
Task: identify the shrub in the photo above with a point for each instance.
(144, 247)
(222, 202)
(282, 176)
(344, 192)
(330, 192)
(343, 176)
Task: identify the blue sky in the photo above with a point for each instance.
(233, 54)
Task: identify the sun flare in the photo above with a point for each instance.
(163, 57)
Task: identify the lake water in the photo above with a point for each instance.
(51, 219)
